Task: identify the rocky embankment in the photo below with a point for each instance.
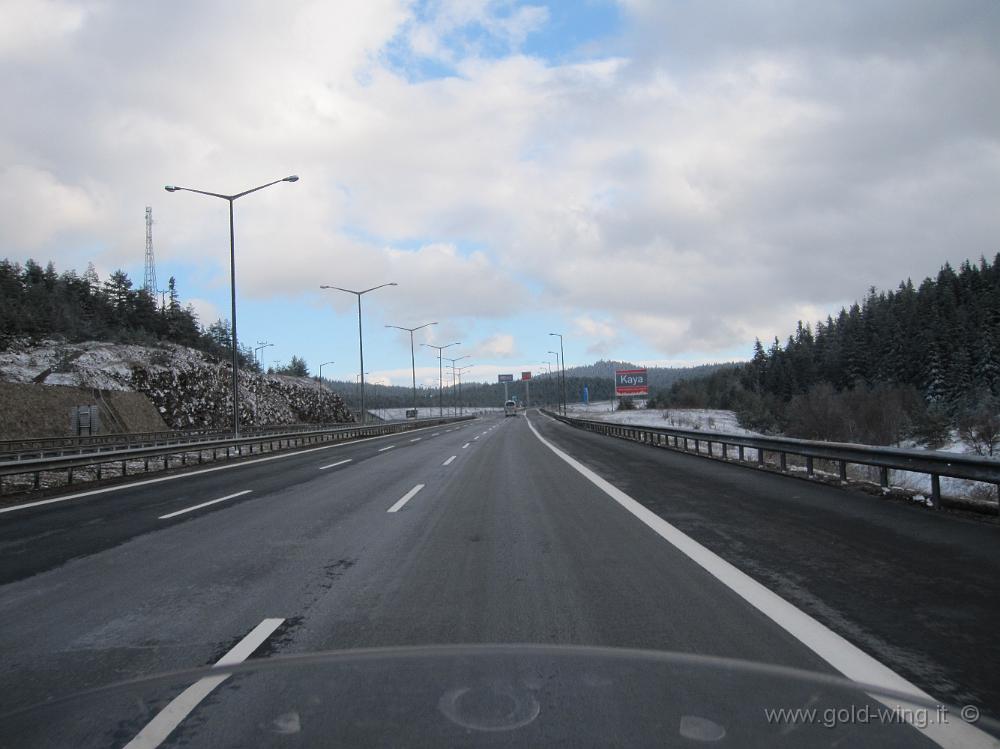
(188, 388)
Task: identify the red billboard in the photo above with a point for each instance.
(631, 382)
(525, 375)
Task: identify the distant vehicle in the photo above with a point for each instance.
(509, 409)
(411, 413)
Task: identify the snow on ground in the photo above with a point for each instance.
(97, 364)
(725, 422)
(707, 419)
(393, 414)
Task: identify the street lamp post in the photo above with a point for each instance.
(453, 376)
(441, 373)
(319, 388)
(320, 377)
(562, 358)
(361, 345)
(413, 361)
(261, 345)
(232, 278)
(558, 381)
(357, 381)
(459, 371)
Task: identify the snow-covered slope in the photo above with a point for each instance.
(188, 387)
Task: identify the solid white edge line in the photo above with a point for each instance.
(416, 439)
(334, 465)
(466, 445)
(172, 477)
(848, 659)
(448, 462)
(387, 447)
(435, 434)
(160, 727)
(405, 498)
(204, 504)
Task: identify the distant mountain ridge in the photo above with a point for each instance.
(659, 377)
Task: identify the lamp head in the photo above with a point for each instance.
(291, 178)
(170, 188)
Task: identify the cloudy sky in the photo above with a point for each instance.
(660, 181)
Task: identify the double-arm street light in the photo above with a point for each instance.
(413, 361)
(458, 371)
(232, 278)
(361, 345)
(562, 358)
(453, 393)
(261, 345)
(441, 372)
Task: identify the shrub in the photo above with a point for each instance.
(979, 427)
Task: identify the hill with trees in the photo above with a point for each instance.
(39, 303)
(911, 362)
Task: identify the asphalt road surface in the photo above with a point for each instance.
(491, 531)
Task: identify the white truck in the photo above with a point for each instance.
(509, 409)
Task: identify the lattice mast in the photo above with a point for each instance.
(149, 280)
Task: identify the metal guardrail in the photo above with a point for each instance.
(935, 464)
(38, 467)
(49, 447)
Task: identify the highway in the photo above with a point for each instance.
(498, 530)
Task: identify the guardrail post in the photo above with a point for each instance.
(124, 468)
(809, 466)
(69, 476)
(935, 491)
(740, 453)
(98, 475)
(725, 451)
(697, 447)
(710, 448)
(843, 471)
(38, 479)
(883, 477)
(784, 462)
(760, 457)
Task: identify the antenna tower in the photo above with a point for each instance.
(149, 281)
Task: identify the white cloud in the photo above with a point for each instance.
(498, 346)
(37, 207)
(206, 311)
(720, 174)
(28, 27)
